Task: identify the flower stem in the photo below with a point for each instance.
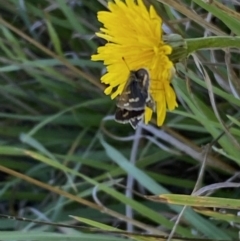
(212, 42)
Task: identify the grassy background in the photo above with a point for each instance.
(61, 152)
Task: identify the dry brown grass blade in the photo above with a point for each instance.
(193, 16)
(79, 200)
(232, 77)
(134, 235)
(52, 54)
(212, 100)
(225, 9)
(187, 146)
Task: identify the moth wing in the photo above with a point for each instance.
(133, 97)
(135, 121)
(124, 116)
(151, 103)
(122, 100)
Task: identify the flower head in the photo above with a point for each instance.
(134, 41)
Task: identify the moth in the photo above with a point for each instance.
(134, 98)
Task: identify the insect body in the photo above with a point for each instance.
(134, 98)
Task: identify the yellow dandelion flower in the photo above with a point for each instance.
(134, 33)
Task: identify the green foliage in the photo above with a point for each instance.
(63, 154)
